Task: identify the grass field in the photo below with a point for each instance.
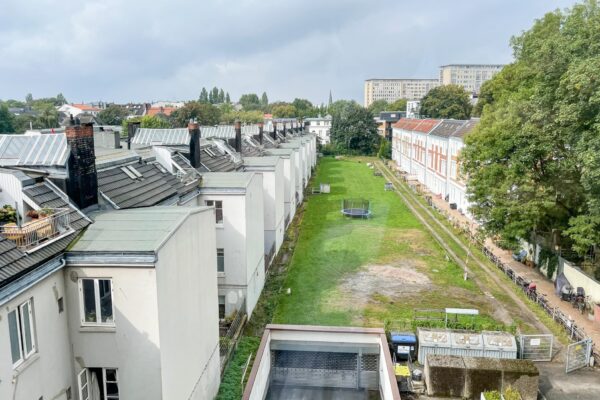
(363, 272)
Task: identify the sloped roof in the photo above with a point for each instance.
(151, 188)
(219, 131)
(447, 127)
(466, 128)
(44, 196)
(426, 125)
(226, 180)
(136, 230)
(147, 136)
(34, 150)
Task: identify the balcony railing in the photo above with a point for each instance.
(34, 233)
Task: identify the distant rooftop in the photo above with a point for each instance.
(147, 136)
(261, 161)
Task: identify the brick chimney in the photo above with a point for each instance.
(194, 130)
(274, 133)
(132, 127)
(238, 136)
(260, 132)
(82, 179)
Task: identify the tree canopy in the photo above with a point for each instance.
(534, 160)
(112, 115)
(7, 120)
(448, 101)
(378, 106)
(353, 130)
(203, 113)
(398, 105)
(250, 102)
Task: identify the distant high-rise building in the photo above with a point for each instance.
(391, 90)
(469, 76)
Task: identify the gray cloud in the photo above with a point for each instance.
(138, 50)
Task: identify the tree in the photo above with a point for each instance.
(398, 105)
(250, 102)
(48, 117)
(203, 113)
(353, 130)
(304, 108)
(385, 149)
(147, 121)
(264, 100)
(112, 115)
(330, 99)
(221, 97)
(7, 120)
(29, 98)
(534, 160)
(203, 95)
(246, 117)
(60, 99)
(227, 98)
(449, 101)
(378, 106)
(214, 95)
(284, 111)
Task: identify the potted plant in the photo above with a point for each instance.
(33, 214)
(8, 215)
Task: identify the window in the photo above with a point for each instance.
(218, 205)
(96, 301)
(221, 307)
(220, 260)
(105, 381)
(21, 332)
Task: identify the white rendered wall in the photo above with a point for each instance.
(255, 262)
(188, 310)
(133, 345)
(48, 373)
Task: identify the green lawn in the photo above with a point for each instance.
(328, 276)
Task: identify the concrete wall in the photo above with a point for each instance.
(261, 383)
(132, 345)
(578, 278)
(188, 310)
(48, 373)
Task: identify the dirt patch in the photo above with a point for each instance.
(357, 289)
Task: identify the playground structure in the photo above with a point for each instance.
(356, 208)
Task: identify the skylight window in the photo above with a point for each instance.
(128, 173)
(134, 171)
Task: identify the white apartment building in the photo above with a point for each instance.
(271, 169)
(428, 150)
(141, 299)
(391, 90)
(289, 174)
(320, 127)
(469, 76)
(237, 198)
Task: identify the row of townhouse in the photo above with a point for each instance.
(428, 150)
(122, 256)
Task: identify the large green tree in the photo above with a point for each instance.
(250, 102)
(7, 120)
(378, 106)
(353, 130)
(398, 105)
(203, 113)
(448, 101)
(284, 110)
(534, 160)
(304, 108)
(112, 115)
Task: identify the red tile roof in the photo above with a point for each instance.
(161, 110)
(414, 124)
(85, 107)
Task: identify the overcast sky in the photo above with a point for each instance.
(133, 50)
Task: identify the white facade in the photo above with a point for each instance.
(164, 339)
(47, 372)
(271, 169)
(240, 234)
(391, 90)
(289, 174)
(433, 158)
(321, 128)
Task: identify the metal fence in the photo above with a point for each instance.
(32, 234)
(231, 334)
(575, 332)
(536, 347)
(578, 355)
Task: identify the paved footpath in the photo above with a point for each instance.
(544, 285)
